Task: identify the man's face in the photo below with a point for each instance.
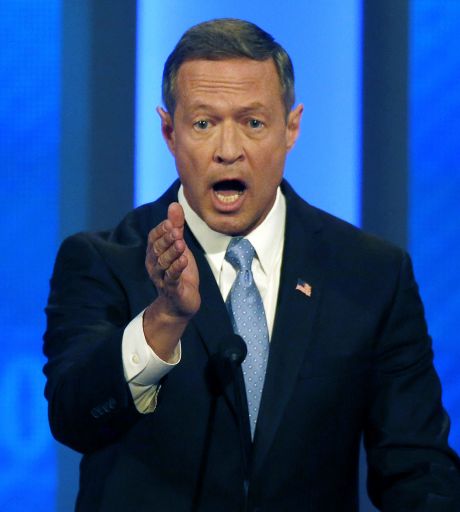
(230, 138)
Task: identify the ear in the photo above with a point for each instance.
(167, 128)
(293, 126)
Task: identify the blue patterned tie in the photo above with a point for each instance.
(246, 309)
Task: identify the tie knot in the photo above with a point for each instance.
(240, 253)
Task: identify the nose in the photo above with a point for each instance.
(229, 147)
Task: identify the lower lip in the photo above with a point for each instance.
(228, 206)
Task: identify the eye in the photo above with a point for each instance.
(255, 123)
(202, 124)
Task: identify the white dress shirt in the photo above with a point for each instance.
(142, 367)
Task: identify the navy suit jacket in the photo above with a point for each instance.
(352, 359)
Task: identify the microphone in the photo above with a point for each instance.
(222, 366)
(233, 350)
(220, 372)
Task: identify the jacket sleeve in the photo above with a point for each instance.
(411, 467)
(90, 404)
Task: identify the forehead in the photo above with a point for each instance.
(228, 78)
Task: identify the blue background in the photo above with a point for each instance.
(434, 216)
(325, 44)
(29, 133)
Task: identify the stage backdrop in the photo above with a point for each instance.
(29, 130)
(434, 219)
(324, 41)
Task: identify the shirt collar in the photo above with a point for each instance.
(267, 238)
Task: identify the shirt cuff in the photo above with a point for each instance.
(145, 397)
(140, 363)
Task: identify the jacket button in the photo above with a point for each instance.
(96, 412)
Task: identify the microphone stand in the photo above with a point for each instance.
(238, 391)
(198, 494)
(220, 370)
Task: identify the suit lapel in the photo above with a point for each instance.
(212, 320)
(303, 258)
(295, 316)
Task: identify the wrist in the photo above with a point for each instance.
(163, 329)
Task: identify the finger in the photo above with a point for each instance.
(168, 257)
(159, 231)
(176, 215)
(174, 223)
(162, 244)
(176, 268)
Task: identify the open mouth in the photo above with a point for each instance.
(229, 191)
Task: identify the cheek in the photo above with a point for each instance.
(271, 166)
(185, 163)
(193, 156)
(271, 151)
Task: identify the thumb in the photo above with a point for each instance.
(176, 215)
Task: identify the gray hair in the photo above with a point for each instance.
(227, 38)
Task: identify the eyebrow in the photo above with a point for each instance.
(251, 107)
(256, 105)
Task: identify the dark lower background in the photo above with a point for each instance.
(380, 85)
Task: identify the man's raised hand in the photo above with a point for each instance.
(172, 268)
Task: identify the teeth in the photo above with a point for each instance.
(228, 199)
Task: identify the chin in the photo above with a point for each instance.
(230, 227)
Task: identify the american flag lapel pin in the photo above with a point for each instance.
(303, 287)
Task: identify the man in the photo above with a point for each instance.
(142, 376)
